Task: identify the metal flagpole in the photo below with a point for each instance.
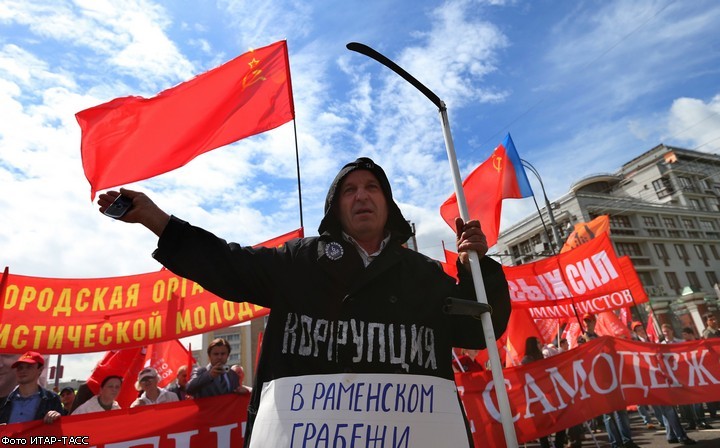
(487, 325)
(456, 306)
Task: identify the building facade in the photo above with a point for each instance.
(664, 210)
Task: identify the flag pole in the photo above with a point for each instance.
(485, 318)
(297, 164)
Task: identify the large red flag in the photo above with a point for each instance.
(520, 327)
(125, 363)
(134, 138)
(499, 177)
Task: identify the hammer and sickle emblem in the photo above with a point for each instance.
(497, 163)
(254, 76)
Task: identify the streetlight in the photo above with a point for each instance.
(548, 206)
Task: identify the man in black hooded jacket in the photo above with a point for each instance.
(352, 300)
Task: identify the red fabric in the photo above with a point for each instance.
(279, 241)
(651, 329)
(126, 364)
(571, 333)
(608, 324)
(587, 279)
(548, 329)
(500, 177)
(585, 231)
(166, 358)
(520, 327)
(601, 376)
(134, 138)
(200, 423)
(450, 264)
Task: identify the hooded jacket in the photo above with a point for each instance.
(330, 313)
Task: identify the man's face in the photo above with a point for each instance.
(590, 323)
(688, 336)
(219, 355)
(26, 373)
(149, 383)
(640, 332)
(67, 398)
(668, 333)
(182, 377)
(712, 322)
(362, 208)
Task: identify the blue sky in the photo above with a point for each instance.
(582, 86)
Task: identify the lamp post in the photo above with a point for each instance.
(553, 224)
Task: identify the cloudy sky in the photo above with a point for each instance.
(581, 86)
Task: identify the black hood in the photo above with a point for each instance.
(396, 223)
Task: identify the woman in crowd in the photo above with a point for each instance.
(105, 400)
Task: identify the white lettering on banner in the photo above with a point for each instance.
(359, 410)
(605, 374)
(180, 439)
(595, 305)
(394, 344)
(580, 278)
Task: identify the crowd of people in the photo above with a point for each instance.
(617, 424)
(30, 401)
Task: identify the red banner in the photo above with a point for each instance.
(202, 423)
(57, 315)
(603, 375)
(60, 315)
(590, 277)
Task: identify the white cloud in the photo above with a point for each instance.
(696, 123)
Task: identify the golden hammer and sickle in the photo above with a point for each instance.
(497, 163)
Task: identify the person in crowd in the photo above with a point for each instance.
(466, 362)
(590, 321)
(28, 401)
(694, 414)
(243, 389)
(711, 326)
(105, 400)
(563, 345)
(674, 431)
(356, 270)
(217, 378)
(639, 334)
(67, 397)
(147, 382)
(179, 387)
(533, 352)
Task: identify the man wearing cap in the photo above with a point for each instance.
(29, 401)
(152, 394)
(347, 304)
(67, 397)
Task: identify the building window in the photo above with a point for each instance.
(685, 183)
(630, 249)
(714, 251)
(662, 253)
(656, 232)
(682, 253)
(649, 221)
(669, 222)
(662, 187)
(693, 280)
(712, 278)
(688, 223)
(673, 282)
(696, 204)
(700, 252)
(708, 226)
(620, 221)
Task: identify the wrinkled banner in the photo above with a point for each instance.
(52, 315)
(589, 278)
(601, 376)
(545, 396)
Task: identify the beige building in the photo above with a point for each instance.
(664, 209)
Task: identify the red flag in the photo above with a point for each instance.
(585, 231)
(651, 329)
(608, 324)
(520, 327)
(134, 138)
(278, 241)
(450, 264)
(499, 177)
(571, 333)
(125, 363)
(166, 357)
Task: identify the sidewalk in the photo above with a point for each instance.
(706, 438)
